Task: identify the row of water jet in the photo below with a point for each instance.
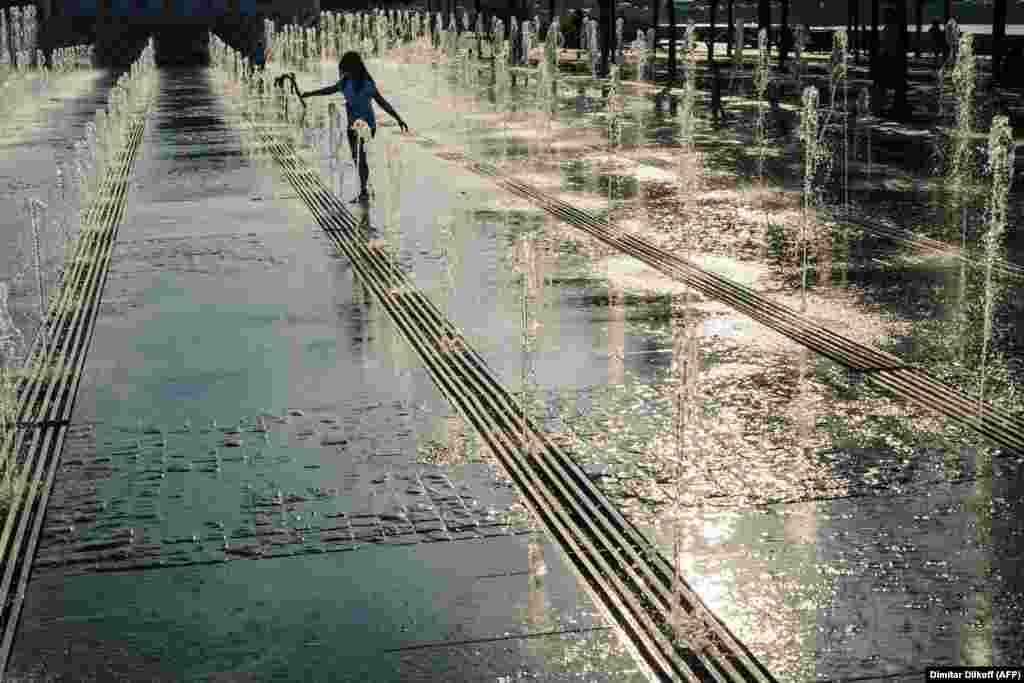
(55, 227)
(1001, 159)
(762, 76)
(592, 46)
(613, 111)
(372, 33)
(378, 34)
(736, 71)
(812, 148)
(838, 80)
(73, 58)
(22, 62)
(690, 170)
(19, 30)
(979, 292)
(547, 84)
(643, 50)
(503, 99)
(35, 79)
(822, 133)
(689, 630)
(961, 167)
(78, 184)
(967, 187)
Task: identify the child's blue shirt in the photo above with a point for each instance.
(359, 105)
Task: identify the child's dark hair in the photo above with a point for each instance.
(352, 63)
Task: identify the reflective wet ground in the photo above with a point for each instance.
(247, 403)
(251, 416)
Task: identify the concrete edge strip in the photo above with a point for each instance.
(51, 401)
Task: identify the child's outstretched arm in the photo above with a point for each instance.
(386, 106)
(329, 90)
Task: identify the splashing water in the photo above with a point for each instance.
(11, 339)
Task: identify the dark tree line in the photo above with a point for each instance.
(888, 61)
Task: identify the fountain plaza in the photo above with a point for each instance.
(586, 344)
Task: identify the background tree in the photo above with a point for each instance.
(479, 38)
(731, 18)
(874, 40)
(764, 18)
(999, 42)
(919, 18)
(898, 23)
(672, 42)
(655, 18)
(784, 45)
(607, 21)
(853, 27)
(713, 21)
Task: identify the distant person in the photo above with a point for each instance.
(577, 28)
(360, 92)
(259, 58)
(939, 45)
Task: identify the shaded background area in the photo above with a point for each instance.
(119, 28)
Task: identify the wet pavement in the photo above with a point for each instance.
(780, 433)
(252, 417)
(243, 402)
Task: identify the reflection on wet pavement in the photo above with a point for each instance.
(245, 401)
(262, 487)
(784, 434)
(841, 533)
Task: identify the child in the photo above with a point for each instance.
(360, 92)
